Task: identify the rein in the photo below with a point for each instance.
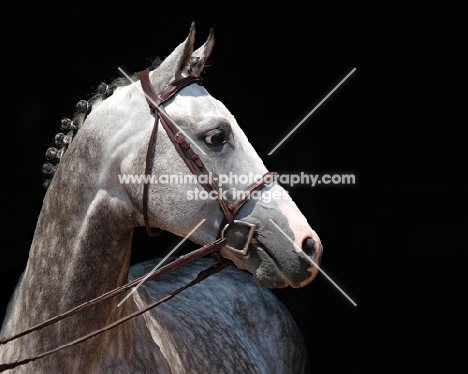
(198, 253)
(216, 268)
(197, 167)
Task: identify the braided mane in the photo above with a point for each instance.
(69, 127)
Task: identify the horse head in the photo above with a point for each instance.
(281, 235)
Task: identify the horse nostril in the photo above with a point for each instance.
(308, 247)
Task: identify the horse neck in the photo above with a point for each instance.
(81, 249)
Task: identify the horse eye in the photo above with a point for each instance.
(215, 137)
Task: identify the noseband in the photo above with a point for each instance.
(192, 160)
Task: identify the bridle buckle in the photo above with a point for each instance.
(248, 240)
(179, 137)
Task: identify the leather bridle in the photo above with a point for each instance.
(192, 160)
(197, 167)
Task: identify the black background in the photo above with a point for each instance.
(395, 241)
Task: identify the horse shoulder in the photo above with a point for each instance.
(225, 324)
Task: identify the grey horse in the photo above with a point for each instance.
(229, 323)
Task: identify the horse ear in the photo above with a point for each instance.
(176, 65)
(201, 55)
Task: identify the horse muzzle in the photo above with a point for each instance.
(268, 270)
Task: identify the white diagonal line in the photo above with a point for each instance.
(313, 262)
(312, 111)
(161, 262)
(170, 119)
